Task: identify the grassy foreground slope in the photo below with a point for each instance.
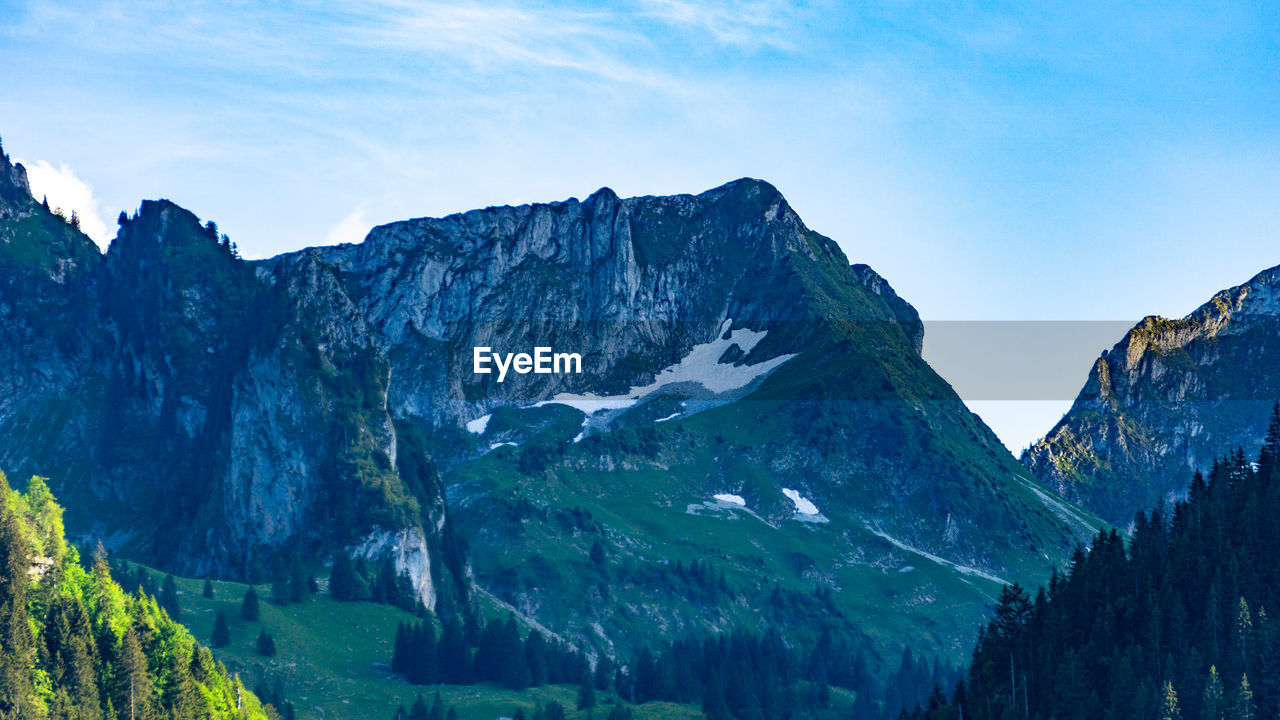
(333, 659)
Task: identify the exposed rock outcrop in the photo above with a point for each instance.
(1167, 400)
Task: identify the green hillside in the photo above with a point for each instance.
(333, 660)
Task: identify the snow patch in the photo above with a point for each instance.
(586, 424)
(803, 505)
(962, 569)
(1057, 507)
(672, 416)
(702, 366)
(497, 445)
(731, 499)
(478, 425)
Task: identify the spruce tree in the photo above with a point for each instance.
(342, 581)
(1169, 704)
(1212, 708)
(249, 606)
(419, 710)
(437, 708)
(69, 651)
(17, 646)
(221, 632)
(169, 598)
(207, 591)
(297, 582)
(134, 690)
(586, 694)
(279, 583)
(713, 703)
(265, 644)
(515, 669)
(181, 695)
(1242, 707)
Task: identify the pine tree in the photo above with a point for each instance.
(1244, 629)
(17, 647)
(515, 669)
(207, 591)
(454, 659)
(279, 583)
(134, 690)
(1169, 704)
(603, 672)
(419, 711)
(181, 695)
(69, 651)
(249, 606)
(221, 632)
(437, 708)
(713, 704)
(387, 589)
(342, 581)
(169, 598)
(1213, 708)
(1242, 707)
(586, 694)
(265, 644)
(297, 583)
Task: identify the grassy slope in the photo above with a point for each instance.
(333, 658)
(648, 506)
(527, 552)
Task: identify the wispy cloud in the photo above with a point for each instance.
(502, 37)
(752, 24)
(350, 229)
(65, 190)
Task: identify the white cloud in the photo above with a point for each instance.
(749, 24)
(351, 229)
(64, 190)
(497, 38)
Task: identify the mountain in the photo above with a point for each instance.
(192, 412)
(74, 645)
(753, 439)
(1170, 397)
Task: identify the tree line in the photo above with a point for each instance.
(1171, 625)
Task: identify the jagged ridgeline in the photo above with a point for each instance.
(73, 644)
(1177, 623)
(1169, 397)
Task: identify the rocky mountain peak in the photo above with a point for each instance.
(1167, 399)
(13, 181)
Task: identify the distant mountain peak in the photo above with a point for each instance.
(1168, 398)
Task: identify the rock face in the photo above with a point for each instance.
(1167, 400)
(199, 412)
(630, 284)
(211, 414)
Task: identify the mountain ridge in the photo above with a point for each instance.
(1167, 399)
(321, 402)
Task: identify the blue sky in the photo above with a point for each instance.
(1081, 161)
